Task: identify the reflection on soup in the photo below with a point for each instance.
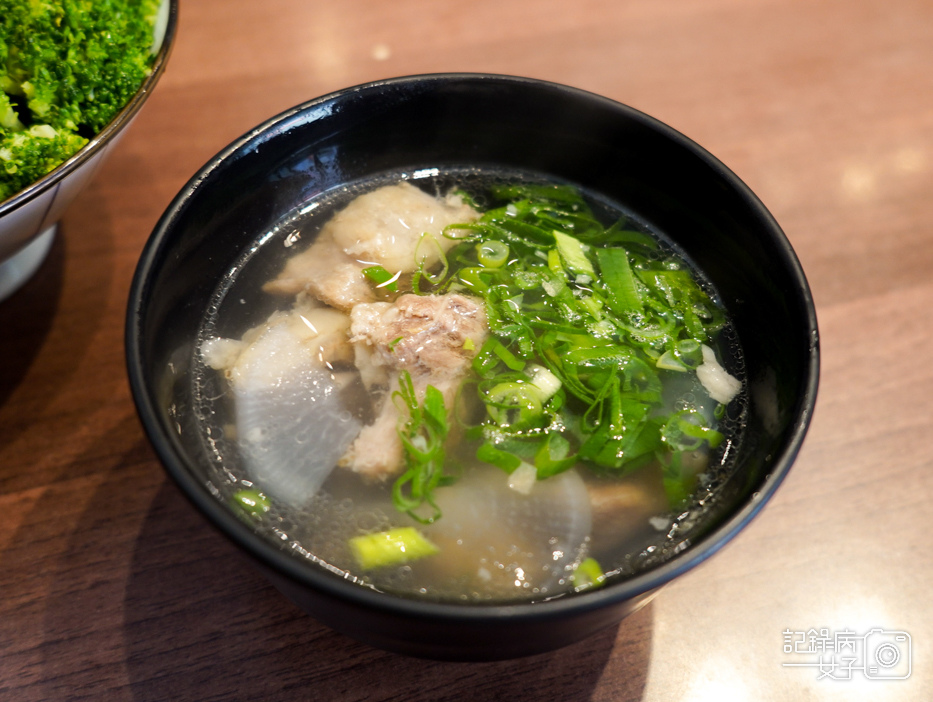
(474, 390)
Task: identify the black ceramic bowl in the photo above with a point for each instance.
(439, 121)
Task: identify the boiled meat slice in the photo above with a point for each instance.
(396, 227)
(434, 338)
(325, 271)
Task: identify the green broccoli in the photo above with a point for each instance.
(28, 155)
(9, 120)
(66, 68)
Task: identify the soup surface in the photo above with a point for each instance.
(469, 386)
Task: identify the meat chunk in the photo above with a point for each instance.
(427, 335)
(385, 227)
(377, 452)
(325, 271)
(434, 338)
(629, 509)
(622, 508)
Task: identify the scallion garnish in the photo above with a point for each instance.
(588, 575)
(423, 436)
(392, 547)
(492, 253)
(603, 312)
(382, 278)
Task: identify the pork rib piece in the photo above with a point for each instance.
(384, 227)
(434, 338)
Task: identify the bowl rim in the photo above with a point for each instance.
(120, 120)
(315, 577)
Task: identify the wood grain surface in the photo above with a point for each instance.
(113, 588)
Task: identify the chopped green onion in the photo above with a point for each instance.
(588, 575)
(392, 547)
(491, 354)
(527, 280)
(523, 233)
(382, 278)
(507, 357)
(584, 319)
(253, 502)
(467, 198)
(624, 297)
(572, 254)
(693, 324)
(668, 361)
(558, 193)
(492, 253)
(553, 455)
(689, 352)
(514, 404)
(679, 482)
(615, 235)
(471, 278)
(555, 264)
(423, 436)
(593, 305)
(488, 453)
(687, 430)
(545, 381)
(430, 241)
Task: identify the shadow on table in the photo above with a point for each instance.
(26, 317)
(201, 623)
(48, 317)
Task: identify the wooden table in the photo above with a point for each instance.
(111, 587)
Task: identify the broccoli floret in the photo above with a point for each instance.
(69, 65)
(28, 155)
(9, 120)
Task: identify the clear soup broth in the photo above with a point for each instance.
(469, 386)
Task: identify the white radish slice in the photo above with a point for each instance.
(291, 422)
(504, 544)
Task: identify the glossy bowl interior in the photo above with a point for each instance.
(29, 217)
(440, 121)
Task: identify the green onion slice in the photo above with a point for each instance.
(423, 436)
(392, 547)
(382, 278)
